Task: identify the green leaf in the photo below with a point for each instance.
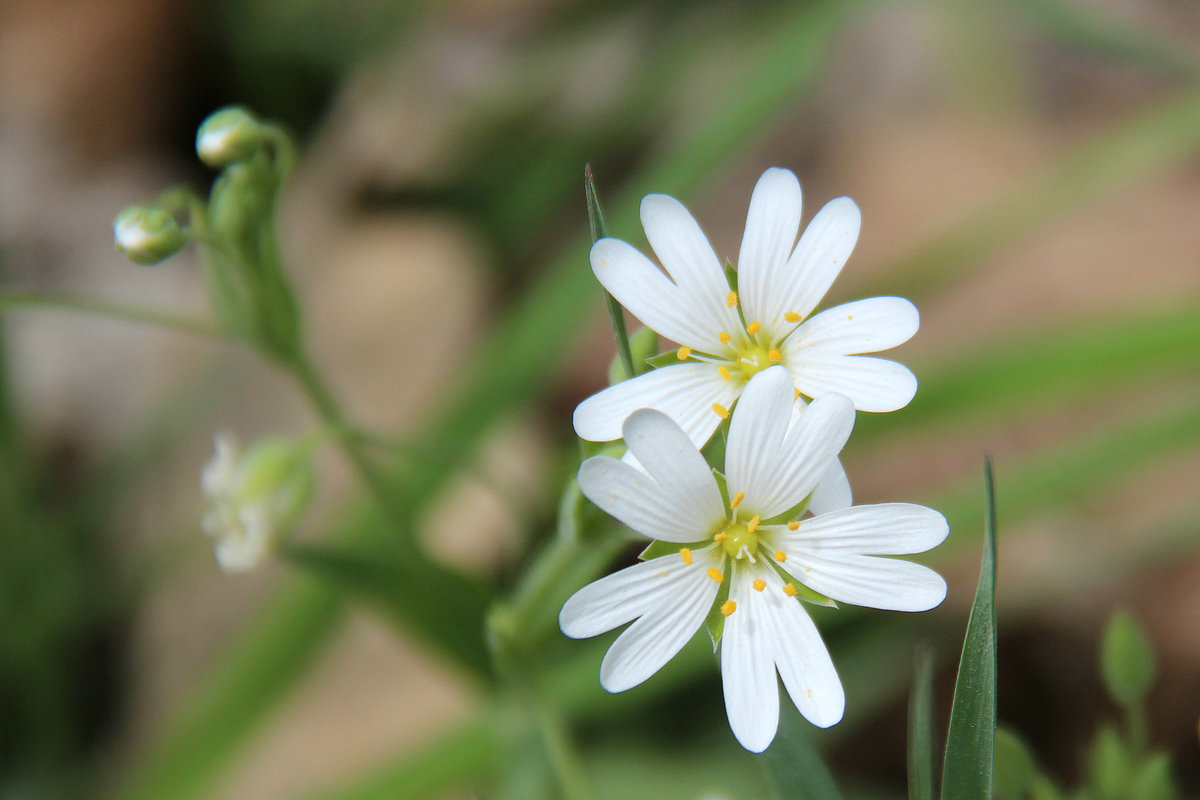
(793, 768)
(416, 593)
(1126, 660)
(1016, 769)
(921, 761)
(1152, 781)
(616, 314)
(970, 742)
(658, 549)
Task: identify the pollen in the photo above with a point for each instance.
(683, 353)
(789, 589)
(731, 299)
(686, 554)
(720, 537)
(797, 397)
(774, 356)
(753, 328)
(728, 607)
(793, 525)
(721, 411)
(715, 574)
(752, 525)
(759, 584)
(780, 556)
(724, 337)
(724, 373)
(792, 316)
(737, 499)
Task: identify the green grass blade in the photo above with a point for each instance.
(616, 314)
(793, 768)
(970, 742)
(920, 730)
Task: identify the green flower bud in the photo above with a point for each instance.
(147, 235)
(229, 135)
(255, 497)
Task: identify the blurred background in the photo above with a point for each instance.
(1028, 175)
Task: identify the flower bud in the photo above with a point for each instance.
(255, 497)
(147, 235)
(228, 135)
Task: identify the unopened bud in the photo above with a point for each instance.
(147, 235)
(229, 135)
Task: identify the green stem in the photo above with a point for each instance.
(564, 757)
(616, 314)
(387, 493)
(17, 299)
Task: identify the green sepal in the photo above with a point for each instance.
(1126, 660)
(731, 275)
(658, 549)
(715, 621)
(793, 513)
(722, 485)
(803, 591)
(664, 359)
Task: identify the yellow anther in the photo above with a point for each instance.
(797, 397)
(759, 584)
(793, 525)
(715, 574)
(752, 525)
(780, 556)
(792, 316)
(753, 328)
(720, 410)
(724, 337)
(731, 299)
(724, 373)
(737, 499)
(774, 356)
(728, 607)
(720, 537)
(683, 353)
(789, 589)
(686, 554)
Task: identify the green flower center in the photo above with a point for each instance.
(753, 359)
(739, 539)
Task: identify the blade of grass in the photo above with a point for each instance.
(921, 759)
(970, 741)
(616, 314)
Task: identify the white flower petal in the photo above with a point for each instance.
(874, 384)
(748, 667)
(771, 226)
(684, 392)
(884, 529)
(819, 256)
(689, 259)
(833, 492)
(864, 326)
(802, 658)
(775, 472)
(838, 555)
(632, 592)
(653, 640)
(672, 497)
(650, 296)
(218, 474)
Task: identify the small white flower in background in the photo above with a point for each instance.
(747, 555)
(728, 335)
(255, 497)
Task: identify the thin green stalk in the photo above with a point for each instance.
(564, 758)
(386, 492)
(17, 300)
(616, 314)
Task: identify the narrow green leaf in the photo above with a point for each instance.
(416, 593)
(616, 314)
(920, 730)
(793, 768)
(1016, 769)
(1126, 660)
(970, 742)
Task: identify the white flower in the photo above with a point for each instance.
(754, 546)
(729, 336)
(254, 497)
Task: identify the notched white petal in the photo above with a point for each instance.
(874, 384)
